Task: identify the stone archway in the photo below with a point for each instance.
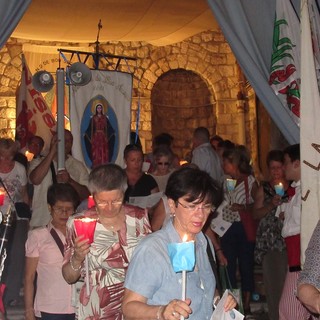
(181, 102)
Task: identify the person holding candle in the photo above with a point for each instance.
(118, 230)
(51, 299)
(14, 183)
(158, 292)
(236, 245)
(270, 250)
(290, 308)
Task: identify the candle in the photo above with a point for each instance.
(1, 197)
(182, 257)
(29, 155)
(86, 227)
(231, 184)
(90, 202)
(279, 189)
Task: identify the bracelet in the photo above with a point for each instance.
(72, 266)
(159, 313)
(217, 250)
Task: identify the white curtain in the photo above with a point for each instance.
(11, 11)
(248, 27)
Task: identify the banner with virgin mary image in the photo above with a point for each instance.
(100, 118)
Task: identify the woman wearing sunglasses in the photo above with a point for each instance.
(162, 166)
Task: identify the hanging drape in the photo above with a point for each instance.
(11, 11)
(248, 27)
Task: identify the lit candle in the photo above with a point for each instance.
(231, 184)
(29, 155)
(90, 202)
(1, 197)
(86, 227)
(279, 189)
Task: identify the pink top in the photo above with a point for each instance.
(53, 292)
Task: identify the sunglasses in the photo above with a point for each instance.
(163, 163)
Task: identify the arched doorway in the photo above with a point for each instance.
(181, 101)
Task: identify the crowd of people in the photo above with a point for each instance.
(125, 271)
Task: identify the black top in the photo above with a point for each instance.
(142, 188)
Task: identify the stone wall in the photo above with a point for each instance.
(206, 54)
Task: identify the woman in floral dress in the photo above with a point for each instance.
(119, 229)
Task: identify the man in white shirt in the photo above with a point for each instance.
(204, 156)
(43, 173)
(290, 308)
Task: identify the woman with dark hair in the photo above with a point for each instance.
(139, 183)
(118, 230)
(155, 293)
(236, 247)
(51, 299)
(270, 250)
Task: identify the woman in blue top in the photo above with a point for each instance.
(155, 293)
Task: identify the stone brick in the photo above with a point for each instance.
(207, 36)
(4, 82)
(196, 39)
(173, 64)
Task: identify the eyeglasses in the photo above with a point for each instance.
(163, 163)
(61, 210)
(207, 208)
(113, 203)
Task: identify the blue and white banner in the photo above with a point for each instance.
(100, 117)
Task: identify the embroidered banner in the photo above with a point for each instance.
(100, 117)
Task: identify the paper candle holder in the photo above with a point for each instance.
(231, 184)
(279, 189)
(85, 226)
(182, 256)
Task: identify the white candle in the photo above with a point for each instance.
(184, 288)
(184, 279)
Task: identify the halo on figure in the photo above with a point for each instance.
(99, 102)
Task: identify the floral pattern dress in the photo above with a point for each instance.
(269, 230)
(108, 259)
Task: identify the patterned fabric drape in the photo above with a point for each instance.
(242, 23)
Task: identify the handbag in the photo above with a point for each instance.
(250, 225)
(226, 285)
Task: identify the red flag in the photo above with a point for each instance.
(33, 115)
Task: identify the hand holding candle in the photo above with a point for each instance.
(85, 227)
(231, 184)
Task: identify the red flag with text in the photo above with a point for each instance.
(33, 115)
